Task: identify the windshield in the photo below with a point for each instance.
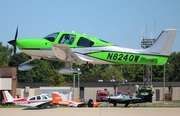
(145, 92)
(123, 95)
(51, 37)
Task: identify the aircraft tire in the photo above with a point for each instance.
(126, 105)
(90, 103)
(115, 104)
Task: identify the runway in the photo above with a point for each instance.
(90, 112)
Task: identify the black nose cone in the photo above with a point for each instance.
(12, 42)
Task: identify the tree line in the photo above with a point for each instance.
(48, 71)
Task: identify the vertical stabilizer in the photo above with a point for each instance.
(56, 98)
(163, 43)
(7, 97)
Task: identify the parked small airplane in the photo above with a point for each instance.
(43, 101)
(40, 101)
(75, 103)
(71, 47)
(124, 98)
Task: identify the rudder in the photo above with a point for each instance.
(7, 97)
(163, 43)
(56, 98)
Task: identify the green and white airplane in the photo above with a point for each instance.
(83, 49)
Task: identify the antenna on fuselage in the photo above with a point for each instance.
(88, 30)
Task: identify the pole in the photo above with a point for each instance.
(164, 82)
(78, 86)
(74, 86)
(151, 74)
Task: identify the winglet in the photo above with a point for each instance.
(7, 97)
(163, 43)
(56, 98)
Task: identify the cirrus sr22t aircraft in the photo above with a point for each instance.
(71, 47)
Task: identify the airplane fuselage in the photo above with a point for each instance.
(82, 49)
(104, 55)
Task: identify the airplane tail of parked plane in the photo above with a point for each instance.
(7, 97)
(56, 98)
(163, 43)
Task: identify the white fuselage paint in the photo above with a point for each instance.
(81, 53)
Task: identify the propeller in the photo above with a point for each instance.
(13, 42)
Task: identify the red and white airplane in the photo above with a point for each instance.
(42, 101)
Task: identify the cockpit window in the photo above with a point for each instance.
(67, 39)
(38, 97)
(33, 98)
(51, 37)
(85, 42)
(44, 97)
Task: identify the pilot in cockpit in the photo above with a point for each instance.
(66, 41)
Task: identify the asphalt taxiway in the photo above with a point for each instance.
(90, 112)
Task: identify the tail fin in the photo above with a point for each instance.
(7, 97)
(56, 98)
(163, 43)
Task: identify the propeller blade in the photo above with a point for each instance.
(16, 33)
(15, 38)
(14, 51)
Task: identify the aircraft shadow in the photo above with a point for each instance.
(34, 108)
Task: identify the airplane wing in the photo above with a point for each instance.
(34, 103)
(62, 52)
(78, 104)
(43, 104)
(73, 103)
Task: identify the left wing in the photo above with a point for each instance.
(77, 103)
(34, 103)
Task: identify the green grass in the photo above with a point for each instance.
(174, 101)
(12, 106)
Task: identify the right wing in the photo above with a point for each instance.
(63, 53)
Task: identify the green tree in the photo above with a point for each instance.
(56, 79)
(132, 72)
(112, 71)
(173, 67)
(5, 54)
(42, 72)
